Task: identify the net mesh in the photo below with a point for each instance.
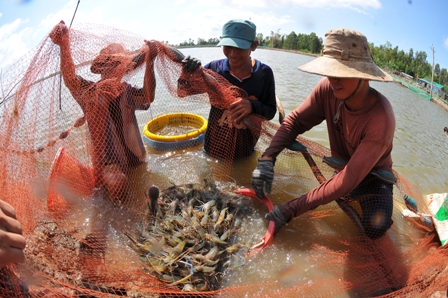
(72, 169)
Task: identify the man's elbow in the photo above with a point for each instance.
(270, 113)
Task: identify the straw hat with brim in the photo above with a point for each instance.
(346, 54)
(238, 33)
(110, 57)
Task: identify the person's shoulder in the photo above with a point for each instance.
(131, 87)
(323, 93)
(385, 102)
(324, 85)
(261, 63)
(215, 64)
(324, 81)
(384, 112)
(262, 67)
(84, 82)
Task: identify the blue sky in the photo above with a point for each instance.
(416, 24)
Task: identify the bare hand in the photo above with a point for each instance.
(240, 109)
(12, 243)
(152, 49)
(58, 32)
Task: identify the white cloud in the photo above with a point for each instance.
(187, 19)
(67, 13)
(12, 42)
(7, 29)
(446, 43)
(18, 37)
(271, 14)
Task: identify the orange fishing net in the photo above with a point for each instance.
(76, 166)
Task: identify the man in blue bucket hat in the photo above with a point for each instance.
(225, 126)
(239, 34)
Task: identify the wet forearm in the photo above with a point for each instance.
(149, 83)
(68, 67)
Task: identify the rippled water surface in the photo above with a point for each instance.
(420, 147)
(420, 155)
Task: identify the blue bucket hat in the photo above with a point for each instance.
(238, 33)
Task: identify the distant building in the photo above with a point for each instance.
(406, 76)
(436, 88)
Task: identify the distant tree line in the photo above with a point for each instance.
(385, 56)
(414, 64)
(200, 42)
(308, 43)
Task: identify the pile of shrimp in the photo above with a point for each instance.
(193, 235)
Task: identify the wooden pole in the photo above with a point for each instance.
(432, 78)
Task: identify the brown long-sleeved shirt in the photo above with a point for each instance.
(364, 138)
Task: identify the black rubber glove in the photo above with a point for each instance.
(262, 177)
(191, 64)
(278, 218)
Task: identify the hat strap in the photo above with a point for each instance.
(338, 112)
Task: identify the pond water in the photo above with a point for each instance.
(420, 147)
(419, 154)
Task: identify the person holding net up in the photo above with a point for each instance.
(109, 106)
(360, 124)
(226, 126)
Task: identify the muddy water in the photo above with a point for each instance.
(420, 155)
(420, 147)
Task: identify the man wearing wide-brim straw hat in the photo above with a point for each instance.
(360, 123)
